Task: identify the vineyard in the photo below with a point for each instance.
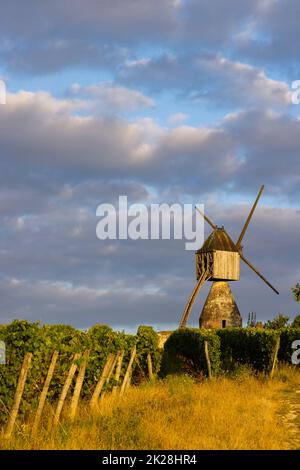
(60, 365)
(100, 347)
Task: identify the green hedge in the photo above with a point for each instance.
(184, 352)
(228, 348)
(251, 346)
(22, 336)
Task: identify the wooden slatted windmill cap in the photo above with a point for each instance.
(218, 240)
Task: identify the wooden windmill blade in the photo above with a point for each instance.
(258, 273)
(206, 218)
(238, 243)
(204, 277)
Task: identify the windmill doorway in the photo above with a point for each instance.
(223, 323)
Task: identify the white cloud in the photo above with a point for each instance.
(244, 83)
(40, 134)
(138, 62)
(177, 118)
(56, 167)
(209, 78)
(107, 97)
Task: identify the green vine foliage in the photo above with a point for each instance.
(147, 342)
(22, 336)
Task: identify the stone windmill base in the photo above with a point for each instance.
(220, 309)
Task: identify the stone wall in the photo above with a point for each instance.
(162, 337)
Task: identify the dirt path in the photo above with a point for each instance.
(292, 417)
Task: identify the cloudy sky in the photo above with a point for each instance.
(184, 101)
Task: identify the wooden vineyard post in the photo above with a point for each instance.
(44, 392)
(118, 371)
(112, 367)
(150, 368)
(126, 379)
(78, 385)
(107, 370)
(65, 389)
(18, 395)
(128, 382)
(110, 373)
(207, 359)
(275, 354)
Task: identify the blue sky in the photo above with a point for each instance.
(171, 101)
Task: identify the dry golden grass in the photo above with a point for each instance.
(178, 413)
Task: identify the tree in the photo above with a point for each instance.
(280, 321)
(296, 292)
(296, 322)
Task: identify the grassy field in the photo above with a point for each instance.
(244, 412)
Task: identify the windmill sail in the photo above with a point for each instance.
(204, 277)
(258, 273)
(238, 243)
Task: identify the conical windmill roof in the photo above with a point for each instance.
(218, 240)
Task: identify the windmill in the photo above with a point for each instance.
(218, 260)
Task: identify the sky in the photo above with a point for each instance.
(169, 101)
